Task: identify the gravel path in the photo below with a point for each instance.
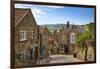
(63, 59)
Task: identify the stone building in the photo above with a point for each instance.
(68, 38)
(44, 35)
(26, 38)
(63, 40)
(54, 42)
(73, 34)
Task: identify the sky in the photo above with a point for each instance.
(47, 14)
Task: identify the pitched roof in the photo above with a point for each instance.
(19, 14)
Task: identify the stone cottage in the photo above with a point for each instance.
(26, 38)
(68, 38)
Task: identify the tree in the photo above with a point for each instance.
(84, 37)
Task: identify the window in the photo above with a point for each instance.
(23, 35)
(62, 47)
(72, 38)
(21, 56)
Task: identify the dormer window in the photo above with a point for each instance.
(23, 35)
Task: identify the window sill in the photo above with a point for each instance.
(23, 39)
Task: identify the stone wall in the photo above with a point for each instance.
(27, 24)
(90, 54)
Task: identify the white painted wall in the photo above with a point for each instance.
(5, 33)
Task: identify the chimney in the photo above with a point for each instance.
(67, 25)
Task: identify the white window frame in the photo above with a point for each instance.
(72, 38)
(23, 35)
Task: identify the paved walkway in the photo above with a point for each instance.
(63, 59)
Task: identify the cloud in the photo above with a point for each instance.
(37, 16)
(37, 11)
(24, 6)
(53, 7)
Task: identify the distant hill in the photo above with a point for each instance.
(53, 27)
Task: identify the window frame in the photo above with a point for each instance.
(23, 35)
(21, 56)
